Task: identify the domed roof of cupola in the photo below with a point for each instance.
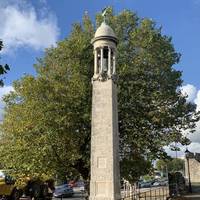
(104, 30)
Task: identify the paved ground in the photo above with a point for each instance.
(196, 193)
(192, 197)
(76, 196)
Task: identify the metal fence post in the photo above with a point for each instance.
(139, 193)
(150, 193)
(159, 192)
(135, 192)
(163, 194)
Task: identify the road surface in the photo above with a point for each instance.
(77, 196)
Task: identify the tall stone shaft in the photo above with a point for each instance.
(105, 175)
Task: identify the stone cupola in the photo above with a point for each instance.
(104, 42)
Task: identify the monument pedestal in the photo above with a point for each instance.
(105, 178)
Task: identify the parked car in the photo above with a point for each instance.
(160, 183)
(63, 191)
(80, 184)
(8, 189)
(146, 184)
(163, 183)
(33, 188)
(156, 184)
(72, 184)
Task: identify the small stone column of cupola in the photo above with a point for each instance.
(104, 54)
(105, 175)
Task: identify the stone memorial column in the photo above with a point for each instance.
(105, 175)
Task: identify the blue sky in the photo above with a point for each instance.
(179, 19)
(30, 26)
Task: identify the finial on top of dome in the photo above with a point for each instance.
(104, 13)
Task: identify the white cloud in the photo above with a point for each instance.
(197, 100)
(3, 91)
(195, 137)
(193, 147)
(24, 26)
(193, 96)
(190, 91)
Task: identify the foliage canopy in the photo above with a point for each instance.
(172, 165)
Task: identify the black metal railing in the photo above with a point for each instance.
(158, 193)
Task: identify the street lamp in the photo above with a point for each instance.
(187, 156)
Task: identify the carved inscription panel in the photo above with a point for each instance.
(101, 188)
(101, 162)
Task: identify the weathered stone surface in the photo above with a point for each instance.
(105, 175)
(105, 179)
(194, 167)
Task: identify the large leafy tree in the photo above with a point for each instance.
(46, 127)
(170, 165)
